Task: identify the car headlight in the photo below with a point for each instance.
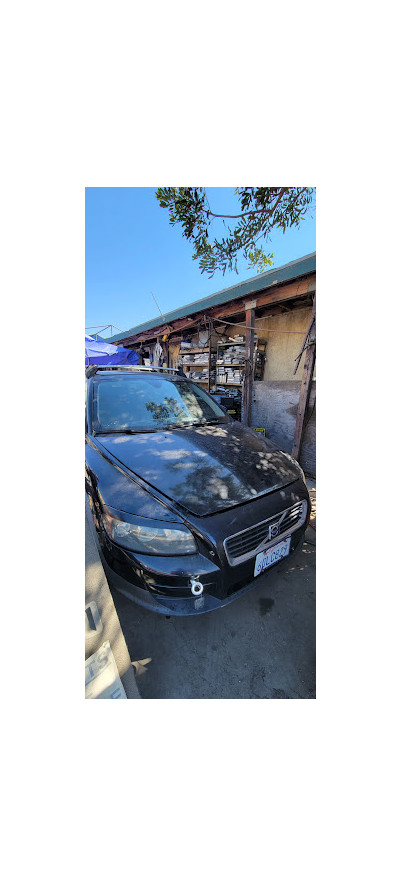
(150, 536)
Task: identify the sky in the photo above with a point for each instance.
(132, 251)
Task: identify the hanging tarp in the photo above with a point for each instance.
(105, 354)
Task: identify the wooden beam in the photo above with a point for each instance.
(305, 389)
(272, 296)
(147, 335)
(306, 337)
(249, 359)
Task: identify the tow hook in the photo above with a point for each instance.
(196, 587)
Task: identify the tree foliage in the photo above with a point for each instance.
(261, 211)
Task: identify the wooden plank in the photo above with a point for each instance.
(144, 336)
(249, 359)
(305, 389)
(264, 299)
(209, 360)
(310, 326)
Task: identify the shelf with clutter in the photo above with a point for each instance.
(197, 358)
(219, 364)
(230, 362)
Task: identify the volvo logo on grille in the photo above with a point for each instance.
(273, 530)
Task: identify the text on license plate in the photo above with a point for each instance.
(270, 556)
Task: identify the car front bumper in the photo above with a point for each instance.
(189, 605)
(163, 584)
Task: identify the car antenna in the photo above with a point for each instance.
(161, 314)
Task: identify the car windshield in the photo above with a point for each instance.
(140, 402)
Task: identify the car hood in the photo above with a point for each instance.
(204, 469)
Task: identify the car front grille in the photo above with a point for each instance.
(242, 546)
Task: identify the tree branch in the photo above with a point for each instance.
(252, 212)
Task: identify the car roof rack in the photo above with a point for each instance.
(95, 368)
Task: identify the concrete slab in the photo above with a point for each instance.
(104, 615)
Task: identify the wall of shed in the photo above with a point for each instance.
(274, 408)
(275, 399)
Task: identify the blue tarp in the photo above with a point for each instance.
(104, 354)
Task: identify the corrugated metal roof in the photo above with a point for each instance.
(298, 268)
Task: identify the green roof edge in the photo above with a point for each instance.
(304, 265)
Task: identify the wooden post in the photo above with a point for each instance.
(209, 359)
(249, 360)
(305, 389)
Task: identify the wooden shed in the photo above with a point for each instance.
(256, 339)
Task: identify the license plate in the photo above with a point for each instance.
(270, 556)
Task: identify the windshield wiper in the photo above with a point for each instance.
(147, 430)
(119, 431)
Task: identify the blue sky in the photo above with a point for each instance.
(132, 251)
